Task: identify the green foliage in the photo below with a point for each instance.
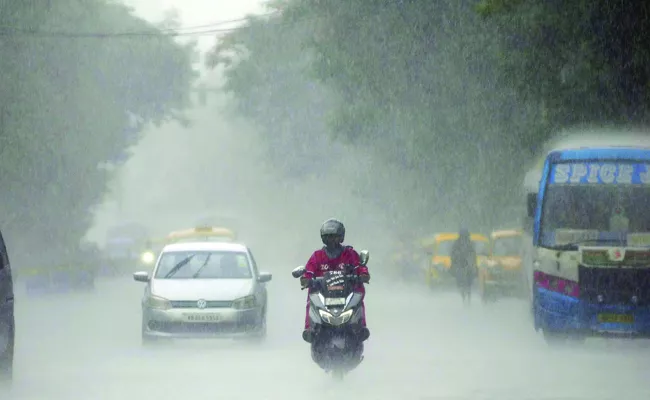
(279, 97)
(459, 93)
(70, 103)
(585, 61)
(488, 8)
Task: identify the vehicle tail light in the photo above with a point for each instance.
(557, 284)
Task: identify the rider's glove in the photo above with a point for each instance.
(305, 282)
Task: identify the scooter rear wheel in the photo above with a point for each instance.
(338, 374)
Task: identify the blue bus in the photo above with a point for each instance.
(590, 255)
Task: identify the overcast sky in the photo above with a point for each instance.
(147, 182)
(198, 12)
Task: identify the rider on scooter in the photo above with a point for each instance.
(334, 257)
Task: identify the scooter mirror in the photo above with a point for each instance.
(297, 272)
(364, 256)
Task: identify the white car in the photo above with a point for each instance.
(204, 289)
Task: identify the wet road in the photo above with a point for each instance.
(87, 346)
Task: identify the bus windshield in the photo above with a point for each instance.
(581, 205)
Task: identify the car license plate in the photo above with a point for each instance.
(616, 318)
(203, 317)
(337, 301)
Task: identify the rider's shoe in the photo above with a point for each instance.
(364, 334)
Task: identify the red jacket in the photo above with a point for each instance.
(319, 263)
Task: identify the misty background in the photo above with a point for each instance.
(222, 164)
(402, 118)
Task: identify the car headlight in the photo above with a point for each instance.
(244, 303)
(336, 320)
(159, 303)
(147, 257)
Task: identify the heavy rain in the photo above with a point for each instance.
(123, 121)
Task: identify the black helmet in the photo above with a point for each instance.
(332, 227)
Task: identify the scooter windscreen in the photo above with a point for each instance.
(335, 285)
(335, 291)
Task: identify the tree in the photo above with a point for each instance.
(278, 96)
(583, 61)
(391, 93)
(458, 93)
(71, 99)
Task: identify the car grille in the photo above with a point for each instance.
(198, 327)
(615, 285)
(192, 304)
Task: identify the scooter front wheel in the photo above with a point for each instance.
(338, 374)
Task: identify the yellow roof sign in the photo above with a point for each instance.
(203, 231)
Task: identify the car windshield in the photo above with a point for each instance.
(480, 247)
(203, 265)
(578, 210)
(444, 248)
(506, 246)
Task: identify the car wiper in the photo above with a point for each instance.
(196, 274)
(574, 245)
(178, 266)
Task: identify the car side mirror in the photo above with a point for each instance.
(141, 276)
(531, 204)
(364, 256)
(264, 277)
(298, 272)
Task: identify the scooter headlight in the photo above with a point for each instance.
(335, 319)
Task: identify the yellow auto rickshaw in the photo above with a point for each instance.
(201, 233)
(501, 272)
(439, 261)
